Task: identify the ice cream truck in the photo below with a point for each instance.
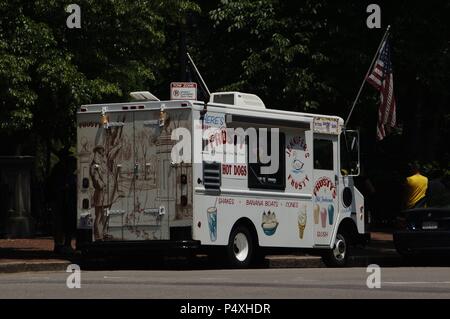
(229, 176)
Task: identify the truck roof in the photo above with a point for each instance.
(152, 105)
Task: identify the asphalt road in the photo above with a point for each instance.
(427, 282)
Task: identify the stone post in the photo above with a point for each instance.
(15, 177)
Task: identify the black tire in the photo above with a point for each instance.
(241, 247)
(338, 256)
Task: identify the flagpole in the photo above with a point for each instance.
(367, 74)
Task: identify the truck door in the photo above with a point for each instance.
(138, 192)
(325, 191)
(352, 203)
(139, 177)
(154, 177)
(118, 166)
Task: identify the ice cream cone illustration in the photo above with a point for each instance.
(330, 214)
(323, 217)
(316, 214)
(302, 222)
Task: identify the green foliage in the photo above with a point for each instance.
(304, 56)
(281, 55)
(48, 70)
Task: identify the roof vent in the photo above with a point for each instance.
(143, 96)
(238, 99)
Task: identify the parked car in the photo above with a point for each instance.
(425, 229)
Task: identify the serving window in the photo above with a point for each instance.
(256, 152)
(323, 154)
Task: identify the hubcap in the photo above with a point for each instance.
(240, 246)
(340, 248)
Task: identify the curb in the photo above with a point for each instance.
(13, 267)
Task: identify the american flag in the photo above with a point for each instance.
(383, 80)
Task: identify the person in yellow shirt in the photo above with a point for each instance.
(416, 188)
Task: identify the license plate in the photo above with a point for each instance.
(429, 225)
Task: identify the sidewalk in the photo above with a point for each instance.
(18, 255)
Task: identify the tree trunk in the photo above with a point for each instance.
(48, 154)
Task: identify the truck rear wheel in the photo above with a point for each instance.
(337, 257)
(240, 249)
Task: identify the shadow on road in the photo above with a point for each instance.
(139, 262)
(202, 262)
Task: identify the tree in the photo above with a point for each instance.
(48, 70)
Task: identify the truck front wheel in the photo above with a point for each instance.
(337, 257)
(240, 249)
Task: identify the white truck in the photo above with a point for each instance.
(138, 188)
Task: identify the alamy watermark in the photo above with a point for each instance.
(74, 279)
(374, 19)
(228, 146)
(73, 21)
(374, 279)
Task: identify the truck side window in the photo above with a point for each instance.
(323, 154)
(267, 181)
